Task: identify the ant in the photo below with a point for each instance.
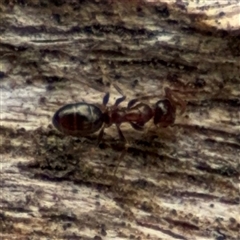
(82, 119)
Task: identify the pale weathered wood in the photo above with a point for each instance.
(176, 183)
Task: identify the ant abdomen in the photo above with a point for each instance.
(79, 119)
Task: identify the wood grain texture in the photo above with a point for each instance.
(181, 182)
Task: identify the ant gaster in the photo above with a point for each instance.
(81, 119)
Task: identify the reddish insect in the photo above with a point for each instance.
(82, 119)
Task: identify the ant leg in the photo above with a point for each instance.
(120, 133)
(120, 158)
(137, 106)
(170, 96)
(105, 99)
(132, 102)
(118, 101)
(121, 99)
(100, 135)
(137, 126)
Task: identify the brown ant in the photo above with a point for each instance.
(81, 119)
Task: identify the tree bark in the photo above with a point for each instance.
(179, 182)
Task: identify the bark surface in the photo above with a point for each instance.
(179, 182)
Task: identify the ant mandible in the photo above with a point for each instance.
(81, 119)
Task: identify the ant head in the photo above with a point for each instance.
(165, 113)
